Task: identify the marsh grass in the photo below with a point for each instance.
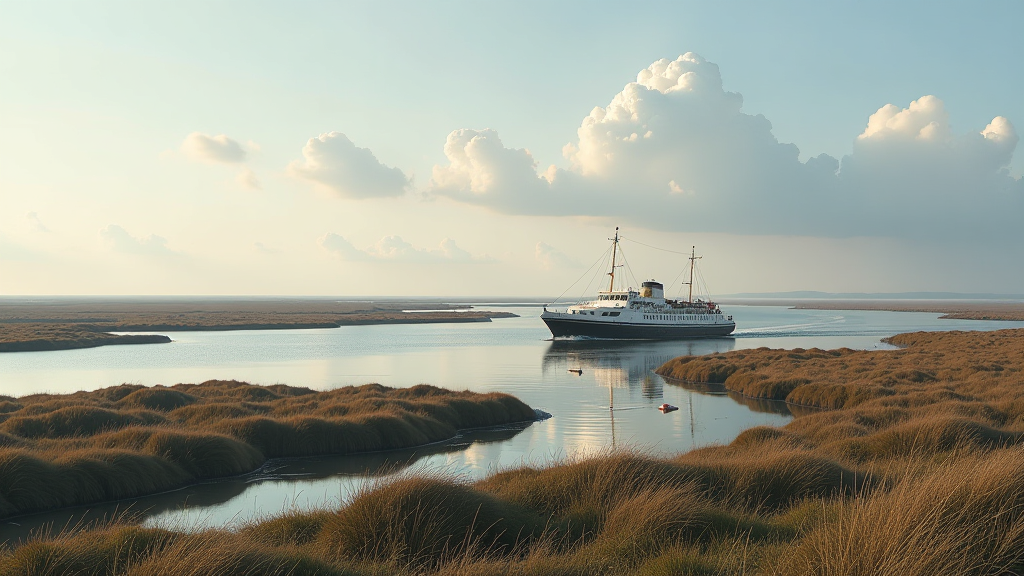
(915, 468)
(126, 441)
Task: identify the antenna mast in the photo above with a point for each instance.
(693, 260)
(615, 246)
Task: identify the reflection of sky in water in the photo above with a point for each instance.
(510, 355)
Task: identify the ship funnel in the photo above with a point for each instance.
(652, 289)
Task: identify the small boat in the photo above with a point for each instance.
(666, 408)
(576, 371)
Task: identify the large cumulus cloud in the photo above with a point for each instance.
(674, 150)
(909, 171)
(333, 161)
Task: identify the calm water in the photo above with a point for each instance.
(510, 355)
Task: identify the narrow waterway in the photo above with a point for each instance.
(612, 403)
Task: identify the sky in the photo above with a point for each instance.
(491, 148)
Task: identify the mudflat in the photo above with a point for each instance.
(59, 323)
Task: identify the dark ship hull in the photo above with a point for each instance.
(564, 327)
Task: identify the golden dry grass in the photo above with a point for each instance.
(130, 440)
(37, 337)
(913, 467)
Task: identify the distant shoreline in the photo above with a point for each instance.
(949, 309)
(69, 325)
(89, 341)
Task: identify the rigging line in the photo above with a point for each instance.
(586, 290)
(654, 247)
(679, 291)
(581, 277)
(628, 269)
(705, 283)
(597, 273)
(707, 291)
(698, 280)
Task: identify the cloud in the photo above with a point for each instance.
(395, 249)
(219, 148)
(121, 241)
(673, 150)
(247, 178)
(551, 258)
(35, 223)
(333, 161)
(910, 171)
(338, 246)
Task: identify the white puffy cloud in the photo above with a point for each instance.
(121, 241)
(550, 258)
(333, 161)
(925, 119)
(219, 148)
(910, 172)
(337, 245)
(674, 150)
(395, 249)
(247, 178)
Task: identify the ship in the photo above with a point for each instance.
(639, 314)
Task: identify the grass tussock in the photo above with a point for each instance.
(963, 516)
(127, 441)
(925, 478)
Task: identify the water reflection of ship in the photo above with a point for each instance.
(625, 364)
(630, 365)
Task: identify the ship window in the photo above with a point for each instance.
(614, 314)
(604, 313)
(591, 312)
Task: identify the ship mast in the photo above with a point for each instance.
(615, 246)
(693, 260)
